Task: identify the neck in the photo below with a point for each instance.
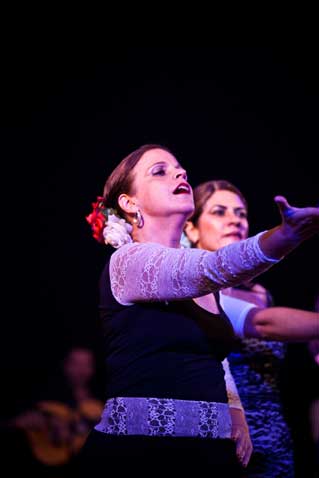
(81, 392)
(165, 231)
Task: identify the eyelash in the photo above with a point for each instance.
(219, 212)
(159, 172)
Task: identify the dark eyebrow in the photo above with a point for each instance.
(238, 208)
(159, 162)
(164, 163)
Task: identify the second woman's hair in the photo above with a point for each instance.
(203, 192)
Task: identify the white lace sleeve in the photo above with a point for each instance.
(231, 388)
(152, 272)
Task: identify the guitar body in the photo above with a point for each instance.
(61, 431)
(45, 451)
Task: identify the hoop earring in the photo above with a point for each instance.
(138, 219)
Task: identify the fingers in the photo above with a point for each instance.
(244, 446)
(288, 210)
(246, 455)
(281, 199)
(282, 204)
(298, 218)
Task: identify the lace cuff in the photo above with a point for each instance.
(260, 253)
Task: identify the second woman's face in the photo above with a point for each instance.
(160, 185)
(222, 222)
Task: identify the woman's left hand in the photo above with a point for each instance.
(299, 223)
(240, 434)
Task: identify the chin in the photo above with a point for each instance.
(188, 209)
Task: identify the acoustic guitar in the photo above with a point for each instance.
(56, 432)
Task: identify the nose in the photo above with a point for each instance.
(181, 173)
(233, 217)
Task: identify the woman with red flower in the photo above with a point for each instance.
(166, 408)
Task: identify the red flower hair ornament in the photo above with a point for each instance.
(107, 227)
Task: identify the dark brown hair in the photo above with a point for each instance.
(203, 192)
(121, 179)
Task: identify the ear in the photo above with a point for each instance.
(191, 232)
(127, 203)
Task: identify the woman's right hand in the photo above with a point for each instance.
(240, 435)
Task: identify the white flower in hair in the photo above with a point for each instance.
(185, 243)
(117, 231)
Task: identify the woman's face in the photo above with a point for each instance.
(222, 222)
(160, 186)
(79, 366)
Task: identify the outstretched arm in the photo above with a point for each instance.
(282, 323)
(271, 323)
(151, 271)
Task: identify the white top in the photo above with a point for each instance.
(236, 310)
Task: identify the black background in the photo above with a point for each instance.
(68, 115)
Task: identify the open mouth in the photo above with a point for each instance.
(182, 188)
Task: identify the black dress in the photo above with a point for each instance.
(164, 351)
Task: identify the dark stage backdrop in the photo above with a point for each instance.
(249, 115)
